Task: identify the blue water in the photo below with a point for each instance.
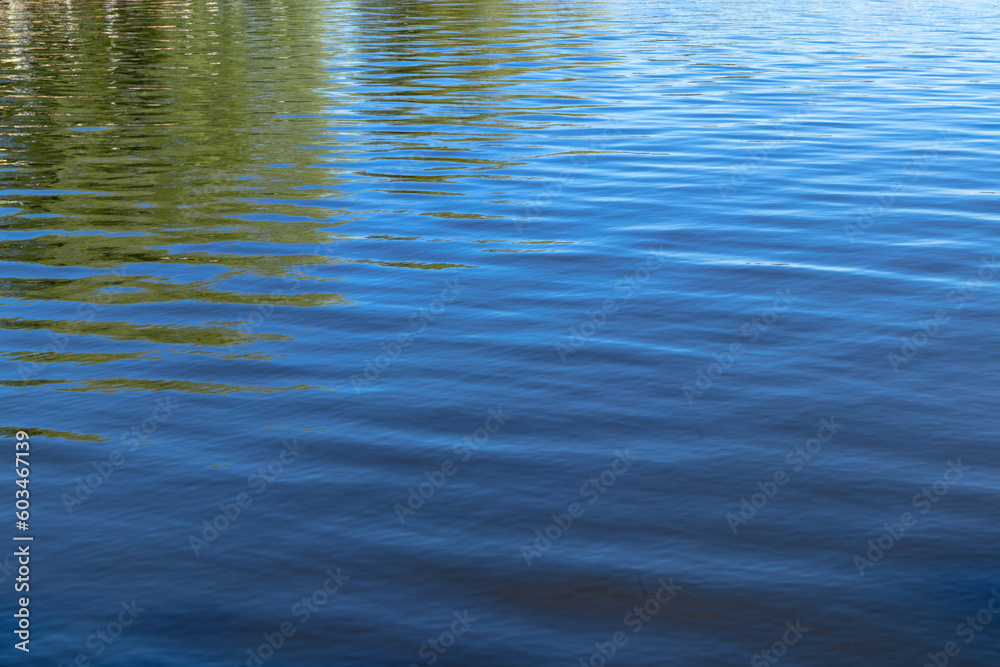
(503, 333)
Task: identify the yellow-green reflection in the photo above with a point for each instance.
(11, 431)
(213, 154)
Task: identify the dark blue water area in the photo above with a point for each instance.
(504, 333)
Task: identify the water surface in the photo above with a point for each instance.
(715, 281)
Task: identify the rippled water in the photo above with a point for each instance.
(543, 322)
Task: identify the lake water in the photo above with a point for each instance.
(502, 333)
